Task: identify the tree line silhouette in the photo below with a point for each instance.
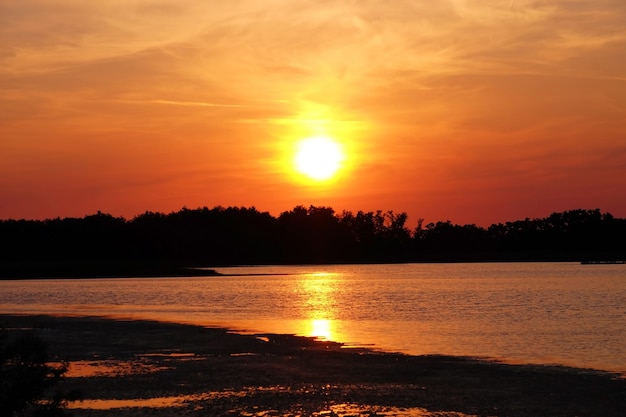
(240, 235)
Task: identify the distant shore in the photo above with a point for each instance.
(96, 269)
(87, 270)
(116, 269)
(220, 373)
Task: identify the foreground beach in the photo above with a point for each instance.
(141, 368)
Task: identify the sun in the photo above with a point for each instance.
(318, 157)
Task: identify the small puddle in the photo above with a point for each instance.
(160, 402)
(157, 402)
(338, 410)
(168, 355)
(356, 410)
(87, 369)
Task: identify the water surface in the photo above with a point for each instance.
(562, 313)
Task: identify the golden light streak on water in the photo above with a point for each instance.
(321, 329)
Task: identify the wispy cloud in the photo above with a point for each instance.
(185, 103)
(423, 89)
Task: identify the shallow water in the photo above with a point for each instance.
(177, 402)
(562, 313)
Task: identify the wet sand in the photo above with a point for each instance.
(164, 369)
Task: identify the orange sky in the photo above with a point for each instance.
(474, 111)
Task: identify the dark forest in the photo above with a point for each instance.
(315, 235)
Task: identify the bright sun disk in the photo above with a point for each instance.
(318, 158)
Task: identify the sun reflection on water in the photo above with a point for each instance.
(318, 292)
(322, 329)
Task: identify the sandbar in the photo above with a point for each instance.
(141, 368)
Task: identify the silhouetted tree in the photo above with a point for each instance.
(314, 235)
(26, 378)
(443, 241)
(240, 235)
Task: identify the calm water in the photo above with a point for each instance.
(562, 313)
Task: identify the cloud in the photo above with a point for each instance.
(434, 90)
(185, 103)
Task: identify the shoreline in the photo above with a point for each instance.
(89, 270)
(218, 371)
(14, 271)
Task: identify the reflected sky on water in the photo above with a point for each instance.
(562, 313)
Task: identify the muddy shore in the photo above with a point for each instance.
(196, 371)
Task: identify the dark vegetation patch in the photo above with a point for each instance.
(153, 244)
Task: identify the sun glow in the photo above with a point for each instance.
(318, 157)
(321, 329)
(318, 291)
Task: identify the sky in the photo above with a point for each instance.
(474, 111)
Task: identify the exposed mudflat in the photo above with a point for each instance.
(145, 368)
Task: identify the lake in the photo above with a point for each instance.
(545, 313)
